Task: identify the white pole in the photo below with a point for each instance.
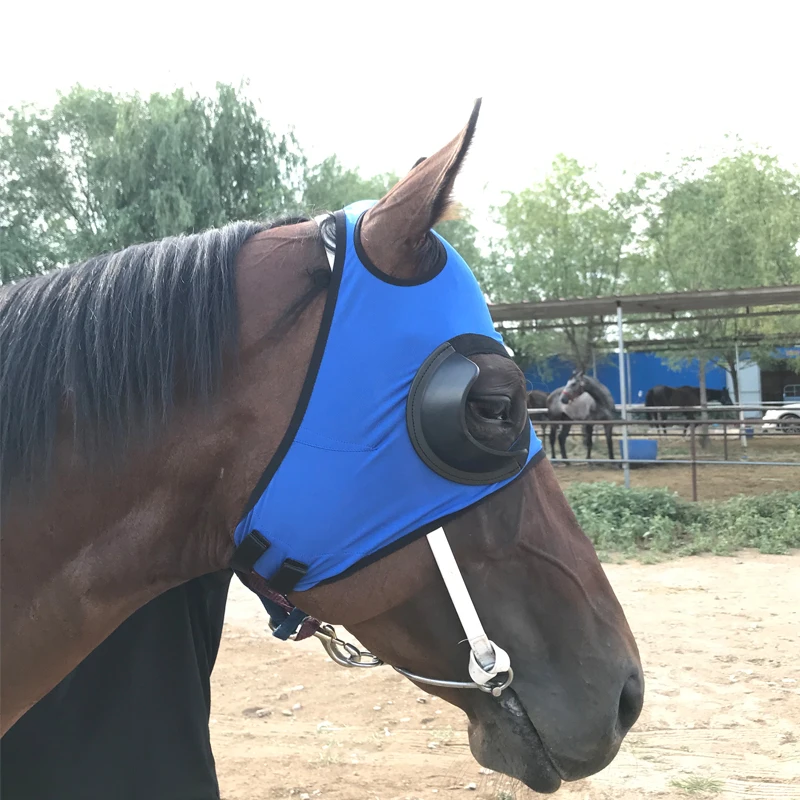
(623, 396)
(742, 431)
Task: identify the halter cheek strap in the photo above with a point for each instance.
(486, 659)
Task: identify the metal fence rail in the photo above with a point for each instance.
(737, 427)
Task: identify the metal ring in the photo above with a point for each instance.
(344, 653)
(497, 689)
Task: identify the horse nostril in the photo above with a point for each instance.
(630, 701)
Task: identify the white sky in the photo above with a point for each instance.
(617, 85)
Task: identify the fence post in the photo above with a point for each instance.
(742, 431)
(623, 396)
(694, 464)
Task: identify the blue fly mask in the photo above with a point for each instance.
(380, 428)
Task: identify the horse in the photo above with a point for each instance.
(582, 398)
(680, 396)
(143, 392)
(537, 402)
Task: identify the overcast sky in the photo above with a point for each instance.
(617, 85)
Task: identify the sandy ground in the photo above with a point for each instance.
(720, 643)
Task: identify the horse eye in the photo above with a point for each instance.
(496, 409)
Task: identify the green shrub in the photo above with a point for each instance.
(657, 521)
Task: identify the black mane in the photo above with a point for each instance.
(116, 341)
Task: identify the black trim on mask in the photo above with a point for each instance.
(313, 367)
(438, 264)
(406, 540)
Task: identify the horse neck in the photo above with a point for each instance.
(599, 393)
(97, 544)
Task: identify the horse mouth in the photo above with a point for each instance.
(505, 740)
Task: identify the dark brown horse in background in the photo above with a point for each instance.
(537, 403)
(680, 396)
(144, 391)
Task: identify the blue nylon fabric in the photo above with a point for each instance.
(351, 482)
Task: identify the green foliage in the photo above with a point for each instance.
(657, 521)
(697, 784)
(733, 224)
(102, 171)
(330, 186)
(564, 239)
(461, 234)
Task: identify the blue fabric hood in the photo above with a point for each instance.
(347, 483)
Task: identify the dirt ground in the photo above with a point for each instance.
(720, 643)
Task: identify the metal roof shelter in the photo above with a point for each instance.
(671, 305)
(664, 304)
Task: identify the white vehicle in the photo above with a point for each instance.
(785, 419)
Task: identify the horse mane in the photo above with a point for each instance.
(116, 342)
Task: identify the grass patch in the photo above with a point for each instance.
(653, 523)
(697, 785)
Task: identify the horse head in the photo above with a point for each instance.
(533, 575)
(575, 387)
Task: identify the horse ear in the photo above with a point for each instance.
(395, 230)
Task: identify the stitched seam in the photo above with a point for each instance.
(336, 446)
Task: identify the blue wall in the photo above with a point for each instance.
(645, 370)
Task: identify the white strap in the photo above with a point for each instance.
(331, 252)
(486, 659)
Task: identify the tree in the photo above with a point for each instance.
(462, 235)
(102, 171)
(330, 186)
(563, 239)
(734, 224)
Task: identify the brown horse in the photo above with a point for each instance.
(678, 396)
(142, 394)
(537, 402)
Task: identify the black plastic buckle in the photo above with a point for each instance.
(250, 549)
(286, 578)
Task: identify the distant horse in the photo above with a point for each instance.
(537, 402)
(679, 396)
(143, 393)
(582, 398)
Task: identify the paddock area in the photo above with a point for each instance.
(714, 481)
(720, 643)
